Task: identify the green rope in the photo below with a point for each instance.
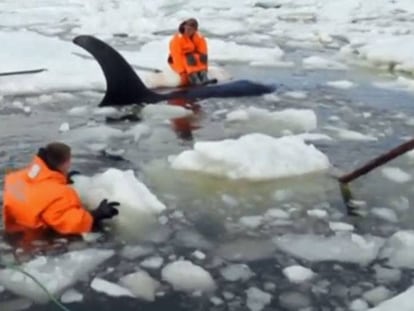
(51, 297)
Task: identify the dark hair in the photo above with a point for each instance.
(190, 22)
(54, 154)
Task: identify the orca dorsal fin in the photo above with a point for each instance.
(123, 86)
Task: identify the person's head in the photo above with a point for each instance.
(190, 27)
(57, 156)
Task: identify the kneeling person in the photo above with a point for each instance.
(39, 197)
(189, 54)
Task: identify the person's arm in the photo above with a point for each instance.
(177, 55)
(66, 214)
(202, 49)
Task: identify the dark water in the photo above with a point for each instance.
(208, 221)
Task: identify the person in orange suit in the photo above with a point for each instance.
(39, 197)
(188, 55)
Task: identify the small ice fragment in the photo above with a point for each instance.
(298, 274)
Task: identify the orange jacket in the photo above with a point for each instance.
(39, 198)
(188, 55)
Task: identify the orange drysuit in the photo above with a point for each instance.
(188, 55)
(39, 198)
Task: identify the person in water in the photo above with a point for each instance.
(39, 196)
(188, 54)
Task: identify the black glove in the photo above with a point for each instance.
(70, 174)
(105, 210)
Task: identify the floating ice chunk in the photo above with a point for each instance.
(165, 112)
(385, 275)
(272, 97)
(122, 186)
(389, 51)
(228, 295)
(399, 250)
(237, 272)
(136, 251)
(351, 248)
(358, 305)
(296, 94)
(246, 250)
(222, 50)
(257, 299)
(199, 255)
(317, 62)
(351, 135)
(105, 111)
(341, 84)
(377, 295)
(282, 194)
(340, 226)
(141, 285)
(18, 304)
(192, 239)
(71, 296)
(298, 119)
(314, 136)
(64, 127)
(109, 288)
(317, 213)
(138, 131)
(55, 273)
(152, 263)
(239, 159)
(94, 134)
(385, 214)
(216, 301)
(78, 111)
(184, 276)
(276, 213)
(294, 300)
(298, 274)
(251, 222)
(396, 174)
(229, 200)
(401, 302)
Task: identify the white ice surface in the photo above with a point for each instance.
(399, 250)
(55, 273)
(396, 174)
(375, 33)
(347, 247)
(185, 276)
(294, 119)
(257, 299)
(400, 302)
(110, 288)
(341, 84)
(236, 272)
(141, 285)
(135, 199)
(298, 274)
(239, 159)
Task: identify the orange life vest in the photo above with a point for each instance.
(188, 55)
(39, 198)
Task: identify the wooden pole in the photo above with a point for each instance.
(378, 161)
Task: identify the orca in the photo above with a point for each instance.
(124, 87)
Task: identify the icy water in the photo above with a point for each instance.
(204, 212)
(245, 234)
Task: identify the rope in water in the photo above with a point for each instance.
(49, 294)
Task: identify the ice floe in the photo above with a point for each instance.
(239, 159)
